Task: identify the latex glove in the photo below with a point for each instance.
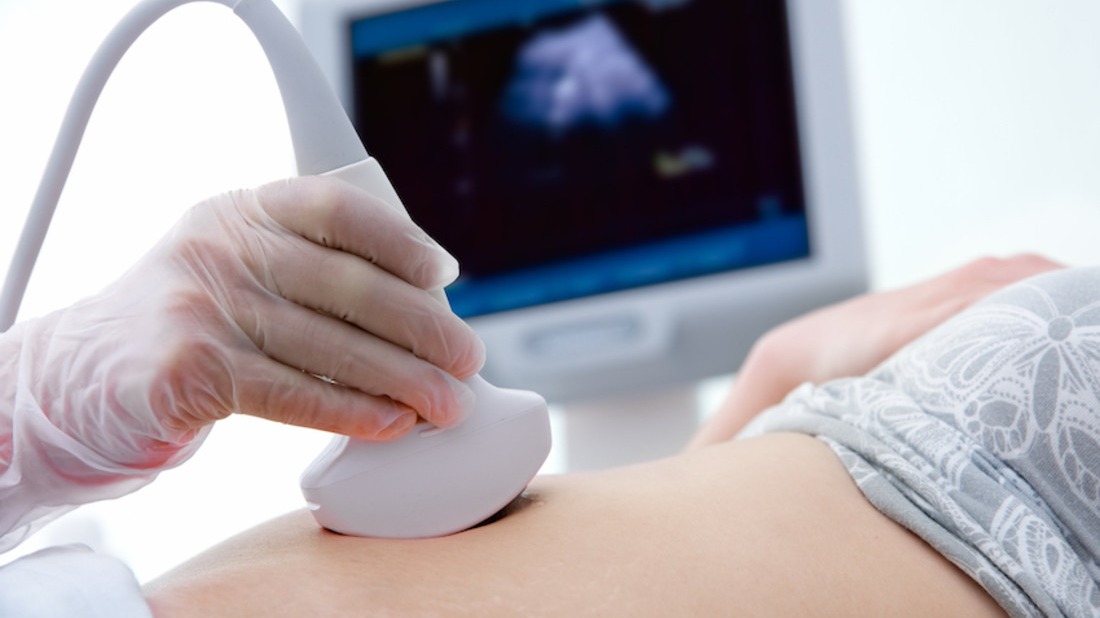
(852, 337)
(237, 309)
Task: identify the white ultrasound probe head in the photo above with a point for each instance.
(431, 482)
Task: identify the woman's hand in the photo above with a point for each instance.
(250, 298)
(852, 337)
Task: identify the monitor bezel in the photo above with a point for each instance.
(655, 336)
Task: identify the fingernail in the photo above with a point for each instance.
(465, 402)
(404, 421)
(479, 354)
(447, 269)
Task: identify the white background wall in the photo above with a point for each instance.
(979, 133)
(979, 129)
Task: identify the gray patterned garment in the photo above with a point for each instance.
(983, 438)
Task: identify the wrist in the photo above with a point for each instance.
(87, 401)
(10, 344)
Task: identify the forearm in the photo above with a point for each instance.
(27, 497)
(852, 337)
(10, 342)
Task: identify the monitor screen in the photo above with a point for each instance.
(566, 148)
(636, 189)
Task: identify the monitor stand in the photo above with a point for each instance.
(626, 429)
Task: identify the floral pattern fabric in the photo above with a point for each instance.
(983, 437)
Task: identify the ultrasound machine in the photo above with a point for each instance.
(635, 189)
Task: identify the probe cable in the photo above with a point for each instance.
(320, 130)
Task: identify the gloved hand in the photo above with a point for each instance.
(240, 308)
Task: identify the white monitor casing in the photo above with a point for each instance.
(654, 336)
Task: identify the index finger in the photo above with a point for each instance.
(336, 214)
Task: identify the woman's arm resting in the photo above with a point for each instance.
(852, 337)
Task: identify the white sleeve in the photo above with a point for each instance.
(70, 581)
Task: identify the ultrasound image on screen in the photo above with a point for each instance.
(562, 148)
(584, 74)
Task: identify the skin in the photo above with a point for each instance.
(852, 337)
(768, 526)
(771, 526)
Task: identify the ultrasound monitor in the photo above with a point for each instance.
(635, 189)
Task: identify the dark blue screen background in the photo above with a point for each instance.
(563, 148)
